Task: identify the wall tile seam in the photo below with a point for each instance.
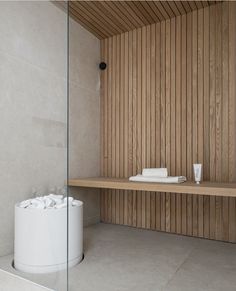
(26, 62)
(97, 92)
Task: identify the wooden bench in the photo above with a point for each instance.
(205, 188)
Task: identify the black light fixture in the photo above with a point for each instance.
(102, 66)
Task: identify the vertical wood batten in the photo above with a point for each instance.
(148, 122)
(218, 120)
(232, 117)
(109, 192)
(189, 120)
(168, 118)
(183, 228)
(103, 140)
(113, 101)
(200, 110)
(133, 116)
(206, 135)
(139, 121)
(170, 101)
(195, 113)
(173, 105)
(163, 119)
(153, 132)
(143, 116)
(117, 123)
(178, 120)
(225, 122)
(158, 116)
(212, 117)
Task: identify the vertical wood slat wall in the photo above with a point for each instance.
(169, 100)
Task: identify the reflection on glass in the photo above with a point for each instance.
(33, 156)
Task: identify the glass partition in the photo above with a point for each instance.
(33, 156)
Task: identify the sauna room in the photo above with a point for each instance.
(118, 145)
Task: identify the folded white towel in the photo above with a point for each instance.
(141, 178)
(157, 172)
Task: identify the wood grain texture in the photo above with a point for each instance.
(218, 189)
(108, 18)
(169, 100)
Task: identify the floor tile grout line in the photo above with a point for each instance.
(177, 270)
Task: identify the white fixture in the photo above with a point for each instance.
(41, 238)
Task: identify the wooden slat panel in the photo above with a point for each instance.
(180, 7)
(206, 138)
(175, 9)
(205, 3)
(158, 116)
(232, 116)
(189, 121)
(148, 122)
(168, 120)
(212, 116)
(200, 107)
(123, 13)
(133, 114)
(218, 96)
(93, 18)
(186, 5)
(192, 4)
(163, 120)
(117, 123)
(170, 102)
(139, 122)
(135, 8)
(156, 11)
(113, 123)
(225, 122)
(199, 4)
(143, 116)
(183, 228)
(128, 11)
(103, 203)
(148, 12)
(167, 8)
(101, 12)
(178, 116)
(85, 22)
(104, 20)
(161, 9)
(108, 18)
(172, 116)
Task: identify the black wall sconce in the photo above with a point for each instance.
(102, 66)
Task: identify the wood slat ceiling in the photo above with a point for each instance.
(108, 18)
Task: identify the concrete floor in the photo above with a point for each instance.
(119, 258)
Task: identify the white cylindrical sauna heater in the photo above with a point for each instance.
(41, 238)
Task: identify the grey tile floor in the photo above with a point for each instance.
(120, 258)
